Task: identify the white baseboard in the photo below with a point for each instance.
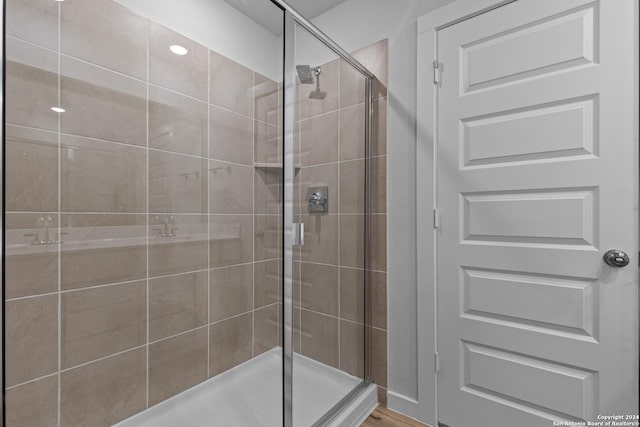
(402, 404)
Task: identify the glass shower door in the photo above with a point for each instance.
(326, 201)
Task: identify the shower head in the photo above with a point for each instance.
(305, 74)
(317, 94)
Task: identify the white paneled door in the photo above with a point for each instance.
(537, 180)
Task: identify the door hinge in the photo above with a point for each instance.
(436, 362)
(436, 219)
(298, 234)
(436, 72)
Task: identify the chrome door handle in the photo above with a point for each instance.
(616, 258)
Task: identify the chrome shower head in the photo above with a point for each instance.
(305, 74)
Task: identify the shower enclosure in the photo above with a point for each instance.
(185, 216)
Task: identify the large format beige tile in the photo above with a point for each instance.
(266, 327)
(268, 191)
(230, 343)
(378, 289)
(379, 356)
(31, 333)
(231, 136)
(319, 176)
(267, 282)
(379, 184)
(268, 237)
(31, 85)
(352, 240)
(379, 127)
(319, 288)
(352, 298)
(33, 20)
(187, 251)
(231, 239)
(31, 173)
(33, 404)
(320, 239)
(177, 183)
(267, 143)
(105, 33)
(320, 338)
(352, 186)
(30, 269)
(230, 188)
(102, 321)
(103, 393)
(102, 249)
(352, 132)
(352, 348)
(374, 57)
(176, 364)
(102, 104)
(379, 242)
(267, 99)
(177, 304)
(177, 123)
(231, 85)
(186, 74)
(328, 84)
(352, 85)
(319, 139)
(98, 176)
(231, 291)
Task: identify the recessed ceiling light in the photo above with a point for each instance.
(178, 50)
(58, 109)
(60, 0)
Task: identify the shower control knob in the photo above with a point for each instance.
(616, 258)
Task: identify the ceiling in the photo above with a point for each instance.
(267, 15)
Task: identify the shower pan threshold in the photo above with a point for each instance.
(251, 395)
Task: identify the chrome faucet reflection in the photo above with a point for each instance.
(169, 226)
(43, 226)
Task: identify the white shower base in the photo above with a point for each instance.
(250, 395)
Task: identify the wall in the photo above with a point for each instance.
(354, 24)
(136, 221)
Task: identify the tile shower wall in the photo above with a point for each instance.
(329, 290)
(161, 258)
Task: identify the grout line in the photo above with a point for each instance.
(339, 209)
(127, 282)
(208, 216)
(194, 214)
(148, 195)
(341, 161)
(100, 359)
(179, 334)
(253, 209)
(59, 245)
(54, 374)
(235, 316)
(147, 82)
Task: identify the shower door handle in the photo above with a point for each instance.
(298, 234)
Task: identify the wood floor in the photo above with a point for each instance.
(384, 417)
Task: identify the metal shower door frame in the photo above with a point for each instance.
(292, 20)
